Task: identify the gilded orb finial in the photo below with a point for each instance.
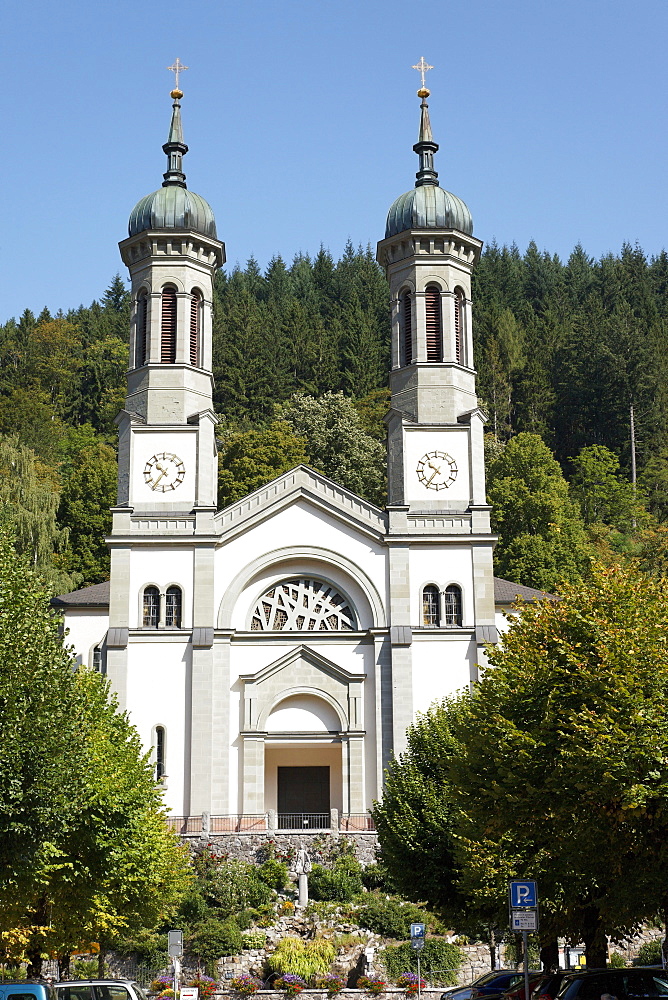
(422, 67)
(176, 95)
(177, 68)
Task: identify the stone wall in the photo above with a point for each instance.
(253, 846)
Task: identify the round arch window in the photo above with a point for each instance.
(303, 604)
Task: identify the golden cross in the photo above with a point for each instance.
(177, 68)
(422, 68)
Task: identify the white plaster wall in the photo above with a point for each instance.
(300, 525)
(303, 714)
(161, 566)
(441, 666)
(158, 681)
(181, 441)
(442, 565)
(454, 442)
(86, 628)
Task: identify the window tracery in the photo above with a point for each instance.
(303, 604)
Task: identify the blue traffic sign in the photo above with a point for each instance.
(523, 894)
(418, 930)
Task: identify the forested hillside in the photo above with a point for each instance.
(564, 351)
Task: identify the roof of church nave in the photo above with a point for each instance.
(172, 206)
(505, 592)
(427, 205)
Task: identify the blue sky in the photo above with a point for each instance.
(300, 117)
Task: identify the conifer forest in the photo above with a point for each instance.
(572, 362)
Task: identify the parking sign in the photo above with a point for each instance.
(523, 894)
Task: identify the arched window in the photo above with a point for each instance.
(168, 327)
(453, 605)
(433, 317)
(98, 659)
(460, 313)
(159, 753)
(141, 330)
(430, 605)
(303, 605)
(173, 607)
(407, 332)
(195, 313)
(151, 607)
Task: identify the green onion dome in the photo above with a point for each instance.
(172, 207)
(428, 207)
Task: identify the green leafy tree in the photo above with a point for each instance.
(601, 492)
(561, 773)
(84, 849)
(542, 540)
(29, 500)
(88, 493)
(337, 444)
(251, 459)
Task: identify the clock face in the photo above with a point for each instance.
(436, 470)
(165, 471)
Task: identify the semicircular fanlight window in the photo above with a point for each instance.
(303, 605)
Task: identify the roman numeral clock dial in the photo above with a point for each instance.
(164, 471)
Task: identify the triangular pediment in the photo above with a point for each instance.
(302, 484)
(299, 654)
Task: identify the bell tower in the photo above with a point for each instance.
(435, 429)
(167, 452)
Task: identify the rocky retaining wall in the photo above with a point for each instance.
(253, 846)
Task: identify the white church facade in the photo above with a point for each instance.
(272, 654)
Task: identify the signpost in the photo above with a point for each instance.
(175, 950)
(417, 944)
(523, 898)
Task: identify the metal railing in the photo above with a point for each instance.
(275, 822)
(303, 821)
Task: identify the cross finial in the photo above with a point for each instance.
(422, 67)
(177, 68)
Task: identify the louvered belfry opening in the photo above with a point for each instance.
(459, 326)
(168, 327)
(433, 315)
(408, 330)
(195, 310)
(141, 335)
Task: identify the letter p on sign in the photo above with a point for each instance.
(523, 894)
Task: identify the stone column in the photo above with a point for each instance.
(253, 774)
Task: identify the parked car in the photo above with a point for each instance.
(26, 990)
(516, 992)
(623, 984)
(548, 987)
(99, 989)
(492, 984)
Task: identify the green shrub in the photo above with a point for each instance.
(245, 918)
(88, 968)
(649, 953)
(212, 939)
(388, 916)
(296, 957)
(376, 876)
(274, 874)
(439, 961)
(254, 939)
(229, 885)
(616, 961)
(340, 883)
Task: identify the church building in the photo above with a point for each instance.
(273, 653)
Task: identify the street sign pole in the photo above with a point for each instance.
(525, 942)
(418, 932)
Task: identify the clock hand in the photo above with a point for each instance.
(436, 469)
(163, 472)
